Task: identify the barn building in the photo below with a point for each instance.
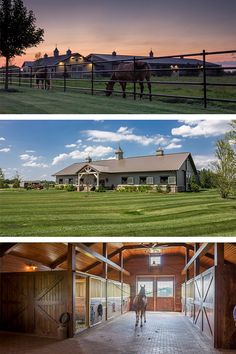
(105, 63)
(51, 291)
(174, 170)
(74, 64)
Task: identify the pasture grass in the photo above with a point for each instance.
(61, 213)
(74, 101)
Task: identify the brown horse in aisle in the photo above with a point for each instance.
(43, 76)
(136, 71)
(140, 305)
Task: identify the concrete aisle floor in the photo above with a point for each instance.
(163, 333)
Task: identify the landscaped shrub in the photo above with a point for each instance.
(100, 189)
(159, 189)
(59, 187)
(168, 188)
(70, 188)
(93, 189)
(144, 189)
(194, 187)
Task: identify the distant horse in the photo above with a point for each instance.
(130, 72)
(42, 75)
(140, 305)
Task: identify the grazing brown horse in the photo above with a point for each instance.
(140, 305)
(130, 72)
(42, 75)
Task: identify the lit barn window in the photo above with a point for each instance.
(155, 260)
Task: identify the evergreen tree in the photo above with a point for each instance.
(18, 31)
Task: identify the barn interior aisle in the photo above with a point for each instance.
(86, 298)
(164, 332)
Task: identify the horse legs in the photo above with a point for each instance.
(149, 89)
(145, 316)
(123, 86)
(141, 88)
(137, 318)
(141, 316)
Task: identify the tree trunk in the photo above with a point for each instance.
(7, 74)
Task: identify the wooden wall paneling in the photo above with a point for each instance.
(71, 261)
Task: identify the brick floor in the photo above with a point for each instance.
(163, 333)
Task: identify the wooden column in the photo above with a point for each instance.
(186, 276)
(197, 261)
(219, 294)
(121, 262)
(71, 262)
(105, 272)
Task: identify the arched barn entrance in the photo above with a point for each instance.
(85, 292)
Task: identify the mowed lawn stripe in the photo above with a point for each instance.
(57, 213)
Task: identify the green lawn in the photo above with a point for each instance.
(55, 101)
(60, 213)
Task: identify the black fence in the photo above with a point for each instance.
(198, 73)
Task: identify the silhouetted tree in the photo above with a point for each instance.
(18, 31)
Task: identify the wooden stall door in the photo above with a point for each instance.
(50, 301)
(204, 302)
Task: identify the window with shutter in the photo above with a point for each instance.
(130, 180)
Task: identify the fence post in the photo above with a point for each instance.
(64, 74)
(19, 77)
(31, 77)
(92, 79)
(134, 79)
(204, 78)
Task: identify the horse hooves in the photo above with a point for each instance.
(141, 325)
(145, 321)
(136, 324)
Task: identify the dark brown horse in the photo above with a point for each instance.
(130, 72)
(43, 76)
(140, 305)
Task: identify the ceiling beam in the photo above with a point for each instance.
(92, 254)
(200, 253)
(64, 257)
(5, 248)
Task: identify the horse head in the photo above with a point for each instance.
(142, 291)
(109, 88)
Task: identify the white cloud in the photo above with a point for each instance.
(2, 138)
(125, 134)
(70, 145)
(30, 151)
(206, 128)
(92, 151)
(30, 161)
(5, 150)
(173, 145)
(203, 161)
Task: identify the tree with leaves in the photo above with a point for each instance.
(16, 180)
(18, 31)
(2, 178)
(207, 178)
(225, 168)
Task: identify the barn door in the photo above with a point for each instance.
(50, 301)
(17, 310)
(204, 302)
(165, 294)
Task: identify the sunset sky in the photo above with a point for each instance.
(134, 26)
(37, 149)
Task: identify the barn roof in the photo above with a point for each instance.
(54, 60)
(164, 61)
(167, 162)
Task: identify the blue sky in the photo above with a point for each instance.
(37, 149)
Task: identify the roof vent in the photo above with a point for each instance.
(56, 52)
(159, 152)
(113, 53)
(45, 56)
(69, 52)
(88, 159)
(151, 54)
(119, 153)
